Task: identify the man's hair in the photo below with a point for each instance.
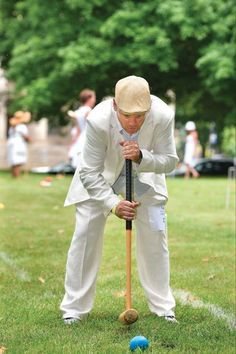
(85, 95)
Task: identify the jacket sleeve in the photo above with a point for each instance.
(92, 167)
(163, 157)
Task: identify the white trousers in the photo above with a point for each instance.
(85, 252)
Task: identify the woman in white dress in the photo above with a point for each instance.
(190, 149)
(18, 137)
(87, 99)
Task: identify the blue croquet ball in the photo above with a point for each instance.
(138, 342)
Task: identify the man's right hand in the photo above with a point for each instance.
(126, 210)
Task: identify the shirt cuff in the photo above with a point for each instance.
(113, 210)
(114, 201)
(140, 157)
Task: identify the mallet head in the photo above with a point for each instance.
(128, 317)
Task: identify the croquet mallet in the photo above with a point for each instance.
(130, 315)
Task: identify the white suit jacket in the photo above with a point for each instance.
(102, 161)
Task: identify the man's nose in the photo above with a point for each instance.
(132, 122)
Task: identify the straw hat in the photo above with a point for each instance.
(20, 117)
(132, 94)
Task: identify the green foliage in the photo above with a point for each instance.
(53, 51)
(229, 141)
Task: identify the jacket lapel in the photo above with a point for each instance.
(116, 138)
(146, 133)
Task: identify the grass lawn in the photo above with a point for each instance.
(35, 233)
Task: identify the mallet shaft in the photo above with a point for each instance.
(128, 269)
(128, 169)
(130, 315)
(128, 176)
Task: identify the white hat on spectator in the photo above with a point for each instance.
(190, 126)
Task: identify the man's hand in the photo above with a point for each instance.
(131, 151)
(126, 210)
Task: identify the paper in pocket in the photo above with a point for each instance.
(157, 217)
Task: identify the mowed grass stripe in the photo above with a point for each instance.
(20, 273)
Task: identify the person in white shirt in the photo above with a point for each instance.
(137, 126)
(18, 137)
(190, 151)
(87, 100)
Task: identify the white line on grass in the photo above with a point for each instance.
(186, 298)
(20, 273)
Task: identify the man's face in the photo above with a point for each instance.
(130, 122)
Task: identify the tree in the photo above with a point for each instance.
(52, 50)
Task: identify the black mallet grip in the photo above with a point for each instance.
(128, 183)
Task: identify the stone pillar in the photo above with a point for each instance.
(3, 110)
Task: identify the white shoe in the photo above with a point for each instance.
(170, 318)
(71, 320)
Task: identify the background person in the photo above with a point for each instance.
(134, 126)
(18, 137)
(213, 139)
(73, 150)
(87, 99)
(190, 150)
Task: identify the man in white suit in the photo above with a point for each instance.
(136, 126)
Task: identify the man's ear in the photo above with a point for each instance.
(114, 105)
